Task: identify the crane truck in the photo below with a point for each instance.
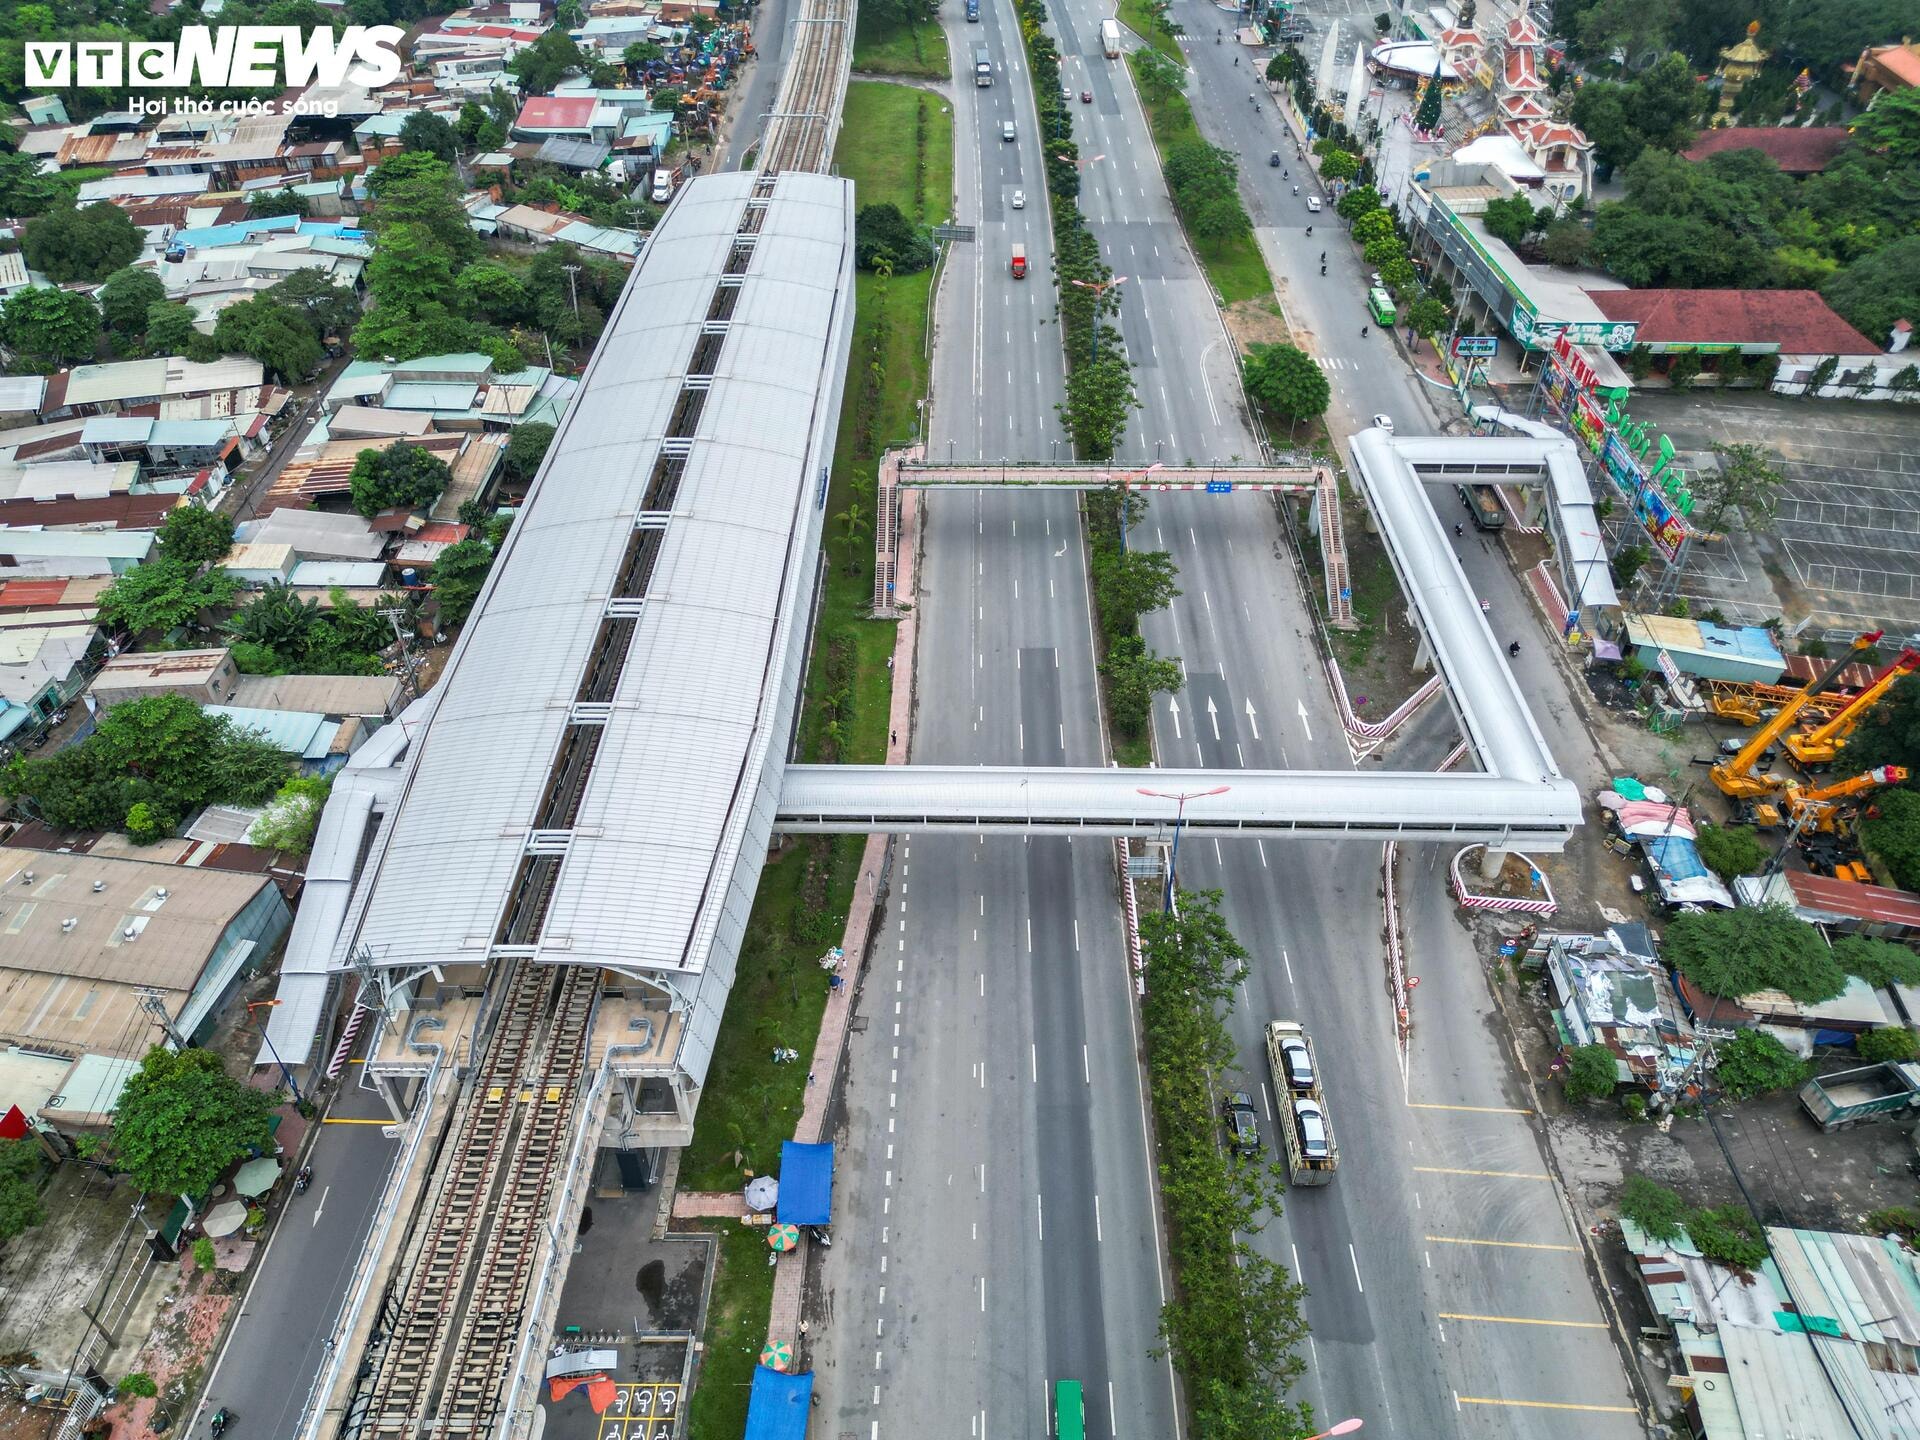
(1817, 808)
(1822, 744)
(1305, 1131)
(1735, 776)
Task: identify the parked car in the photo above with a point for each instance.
(1383, 422)
(1243, 1127)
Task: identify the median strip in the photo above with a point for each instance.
(1524, 1320)
(1546, 1405)
(1497, 1244)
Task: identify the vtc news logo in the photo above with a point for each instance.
(245, 57)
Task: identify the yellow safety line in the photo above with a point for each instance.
(1523, 1320)
(1493, 1174)
(345, 1120)
(1503, 1244)
(1547, 1405)
(1470, 1109)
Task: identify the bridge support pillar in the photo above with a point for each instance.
(1423, 656)
(1491, 860)
(391, 1091)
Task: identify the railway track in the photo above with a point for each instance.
(467, 1278)
(806, 117)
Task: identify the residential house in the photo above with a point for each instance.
(320, 744)
(1612, 990)
(207, 676)
(52, 554)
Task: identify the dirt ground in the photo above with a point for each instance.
(47, 1277)
(1256, 322)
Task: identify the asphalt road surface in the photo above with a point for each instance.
(1000, 1235)
(275, 1347)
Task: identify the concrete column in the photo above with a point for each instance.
(1490, 862)
(1423, 657)
(389, 1086)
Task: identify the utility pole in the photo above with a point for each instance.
(154, 1003)
(573, 287)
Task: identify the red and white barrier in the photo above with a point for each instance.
(1469, 901)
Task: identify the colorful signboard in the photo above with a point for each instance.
(1538, 333)
(1479, 347)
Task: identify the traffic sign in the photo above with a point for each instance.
(1219, 487)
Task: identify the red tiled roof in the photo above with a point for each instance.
(1843, 897)
(1798, 321)
(442, 532)
(1522, 31)
(1520, 72)
(1900, 61)
(548, 112)
(1796, 150)
(1523, 107)
(122, 511)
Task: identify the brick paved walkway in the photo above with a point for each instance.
(709, 1205)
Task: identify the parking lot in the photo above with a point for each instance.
(1845, 548)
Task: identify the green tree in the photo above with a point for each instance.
(528, 448)
(284, 201)
(1729, 1235)
(1427, 316)
(430, 133)
(24, 191)
(1888, 1043)
(1592, 1073)
(277, 618)
(1653, 1207)
(278, 336)
(125, 299)
(458, 574)
(410, 269)
(50, 326)
(642, 52)
(1891, 127)
(1099, 396)
(1160, 76)
(1426, 115)
(22, 1163)
(495, 292)
(170, 330)
(140, 1384)
(548, 61)
(159, 597)
(1510, 219)
(1892, 835)
(1339, 165)
(415, 188)
(332, 309)
(882, 232)
(69, 245)
(1134, 676)
(1372, 226)
(1732, 953)
(403, 476)
(1754, 1063)
(1130, 583)
(1632, 27)
(667, 97)
(1878, 962)
(1878, 289)
(1566, 242)
(1285, 380)
(294, 816)
(1361, 200)
(1731, 850)
(182, 1119)
(192, 535)
(1747, 480)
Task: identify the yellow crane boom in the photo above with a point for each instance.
(1822, 744)
(1735, 776)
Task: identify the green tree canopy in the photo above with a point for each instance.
(291, 820)
(1134, 676)
(1731, 953)
(882, 232)
(1731, 850)
(50, 326)
(1888, 1043)
(278, 336)
(1878, 962)
(192, 536)
(22, 1163)
(1892, 834)
(1754, 1063)
(402, 475)
(458, 573)
(1510, 219)
(162, 752)
(1657, 109)
(1132, 583)
(1878, 289)
(494, 292)
(548, 61)
(1592, 1073)
(89, 243)
(1099, 397)
(182, 1119)
(1653, 1207)
(126, 297)
(160, 596)
(331, 308)
(1285, 380)
(284, 201)
(170, 331)
(528, 448)
(431, 133)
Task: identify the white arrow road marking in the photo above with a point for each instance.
(1252, 721)
(1214, 716)
(1303, 720)
(1174, 706)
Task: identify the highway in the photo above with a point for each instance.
(1000, 1234)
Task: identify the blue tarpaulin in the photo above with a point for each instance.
(806, 1183)
(777, 1407)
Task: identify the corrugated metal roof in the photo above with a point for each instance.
(683, 755)
(293, 732)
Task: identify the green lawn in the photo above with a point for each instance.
(736, 1329)
(1139, 17)
(893, 135)
(1235, 266)
(883, 49)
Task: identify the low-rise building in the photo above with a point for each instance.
(53, 554)
(206, 676)
(319, 743)
(1796, 149)
(1612, 990)
(1796, 325)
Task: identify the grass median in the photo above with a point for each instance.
(880, 48)
(1149, 22)
(736, 1329)
(1234, 264)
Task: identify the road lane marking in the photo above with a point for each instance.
(1545, 1405)
(348, 1120)
(1489, 1174)
(1351, 1255)
(1470, 1109)
(1498, 1244)
(1525, 1320)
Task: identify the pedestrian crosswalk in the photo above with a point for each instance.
(1335, 362)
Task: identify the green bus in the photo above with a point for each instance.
(1069, 1411)
(1380, 305)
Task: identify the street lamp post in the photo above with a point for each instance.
(1173, 861)
(1099, 294)
(285, 1073)
(1126, 480)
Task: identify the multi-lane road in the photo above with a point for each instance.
(1003, 1234)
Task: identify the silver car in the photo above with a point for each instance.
(1313, 1129)
(1299, 1063)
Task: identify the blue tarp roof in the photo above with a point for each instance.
(778, 1405)
(1677, 855)
(806, 1183)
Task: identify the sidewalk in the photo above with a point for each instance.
(784, 1322)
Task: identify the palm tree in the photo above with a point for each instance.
(854, 523)
(277, 618)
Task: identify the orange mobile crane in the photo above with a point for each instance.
(1735, 776)
(1823, 744)
(1819, 806)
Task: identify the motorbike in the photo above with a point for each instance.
(302, 1179)
(221, 1419)
(821, 1235)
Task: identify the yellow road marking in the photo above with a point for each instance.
(345, 1120)
(1492, 1174)
(1502, 1244)
(1471, 1109)
(1523, 1320)
(1548, 1405)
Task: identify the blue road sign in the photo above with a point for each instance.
(1219, 487)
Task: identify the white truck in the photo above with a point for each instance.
(1110, 38)
(982, 66)
(1305, 1130)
